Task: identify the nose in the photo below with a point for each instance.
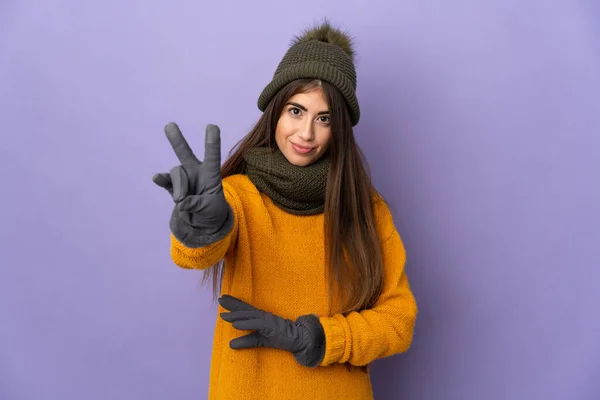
(306, 132)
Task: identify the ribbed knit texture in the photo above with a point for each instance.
(274, 260)
(298, 190)
(319, 60)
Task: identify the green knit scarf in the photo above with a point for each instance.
(297, 190)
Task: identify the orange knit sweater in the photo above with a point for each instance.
(275, 261)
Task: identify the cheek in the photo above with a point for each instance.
(279, 130)
(325, 137)
(285, 128)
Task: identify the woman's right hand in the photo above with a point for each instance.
(196, 186)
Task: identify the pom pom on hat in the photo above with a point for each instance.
(325, 32)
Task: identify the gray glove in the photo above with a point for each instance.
(201, 214)
(304, 337)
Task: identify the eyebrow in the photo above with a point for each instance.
(300, 106)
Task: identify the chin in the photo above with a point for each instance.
(300, 160)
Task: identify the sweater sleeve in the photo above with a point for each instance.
(206, 256)
(360, 338)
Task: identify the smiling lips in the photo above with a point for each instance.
(302, 149)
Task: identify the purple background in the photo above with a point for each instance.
(481, 122)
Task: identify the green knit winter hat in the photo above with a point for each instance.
(322, 52)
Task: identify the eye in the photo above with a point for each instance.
(295, 111)
(325, 119)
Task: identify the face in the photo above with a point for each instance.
(303, 130)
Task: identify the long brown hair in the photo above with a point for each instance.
(352, 246)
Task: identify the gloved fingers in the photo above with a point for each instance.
(164, 181)
(240, 315)
(249, 324)
(246, 342)
(180, 145)
(234, 304)
(212, 155)
(192, 204)
(180, 182)
(198, 204)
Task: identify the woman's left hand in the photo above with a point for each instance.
(304, 338)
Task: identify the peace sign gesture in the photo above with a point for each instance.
(196, 186)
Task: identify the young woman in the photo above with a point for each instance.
(301, 248)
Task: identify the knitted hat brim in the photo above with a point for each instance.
(312, 70)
